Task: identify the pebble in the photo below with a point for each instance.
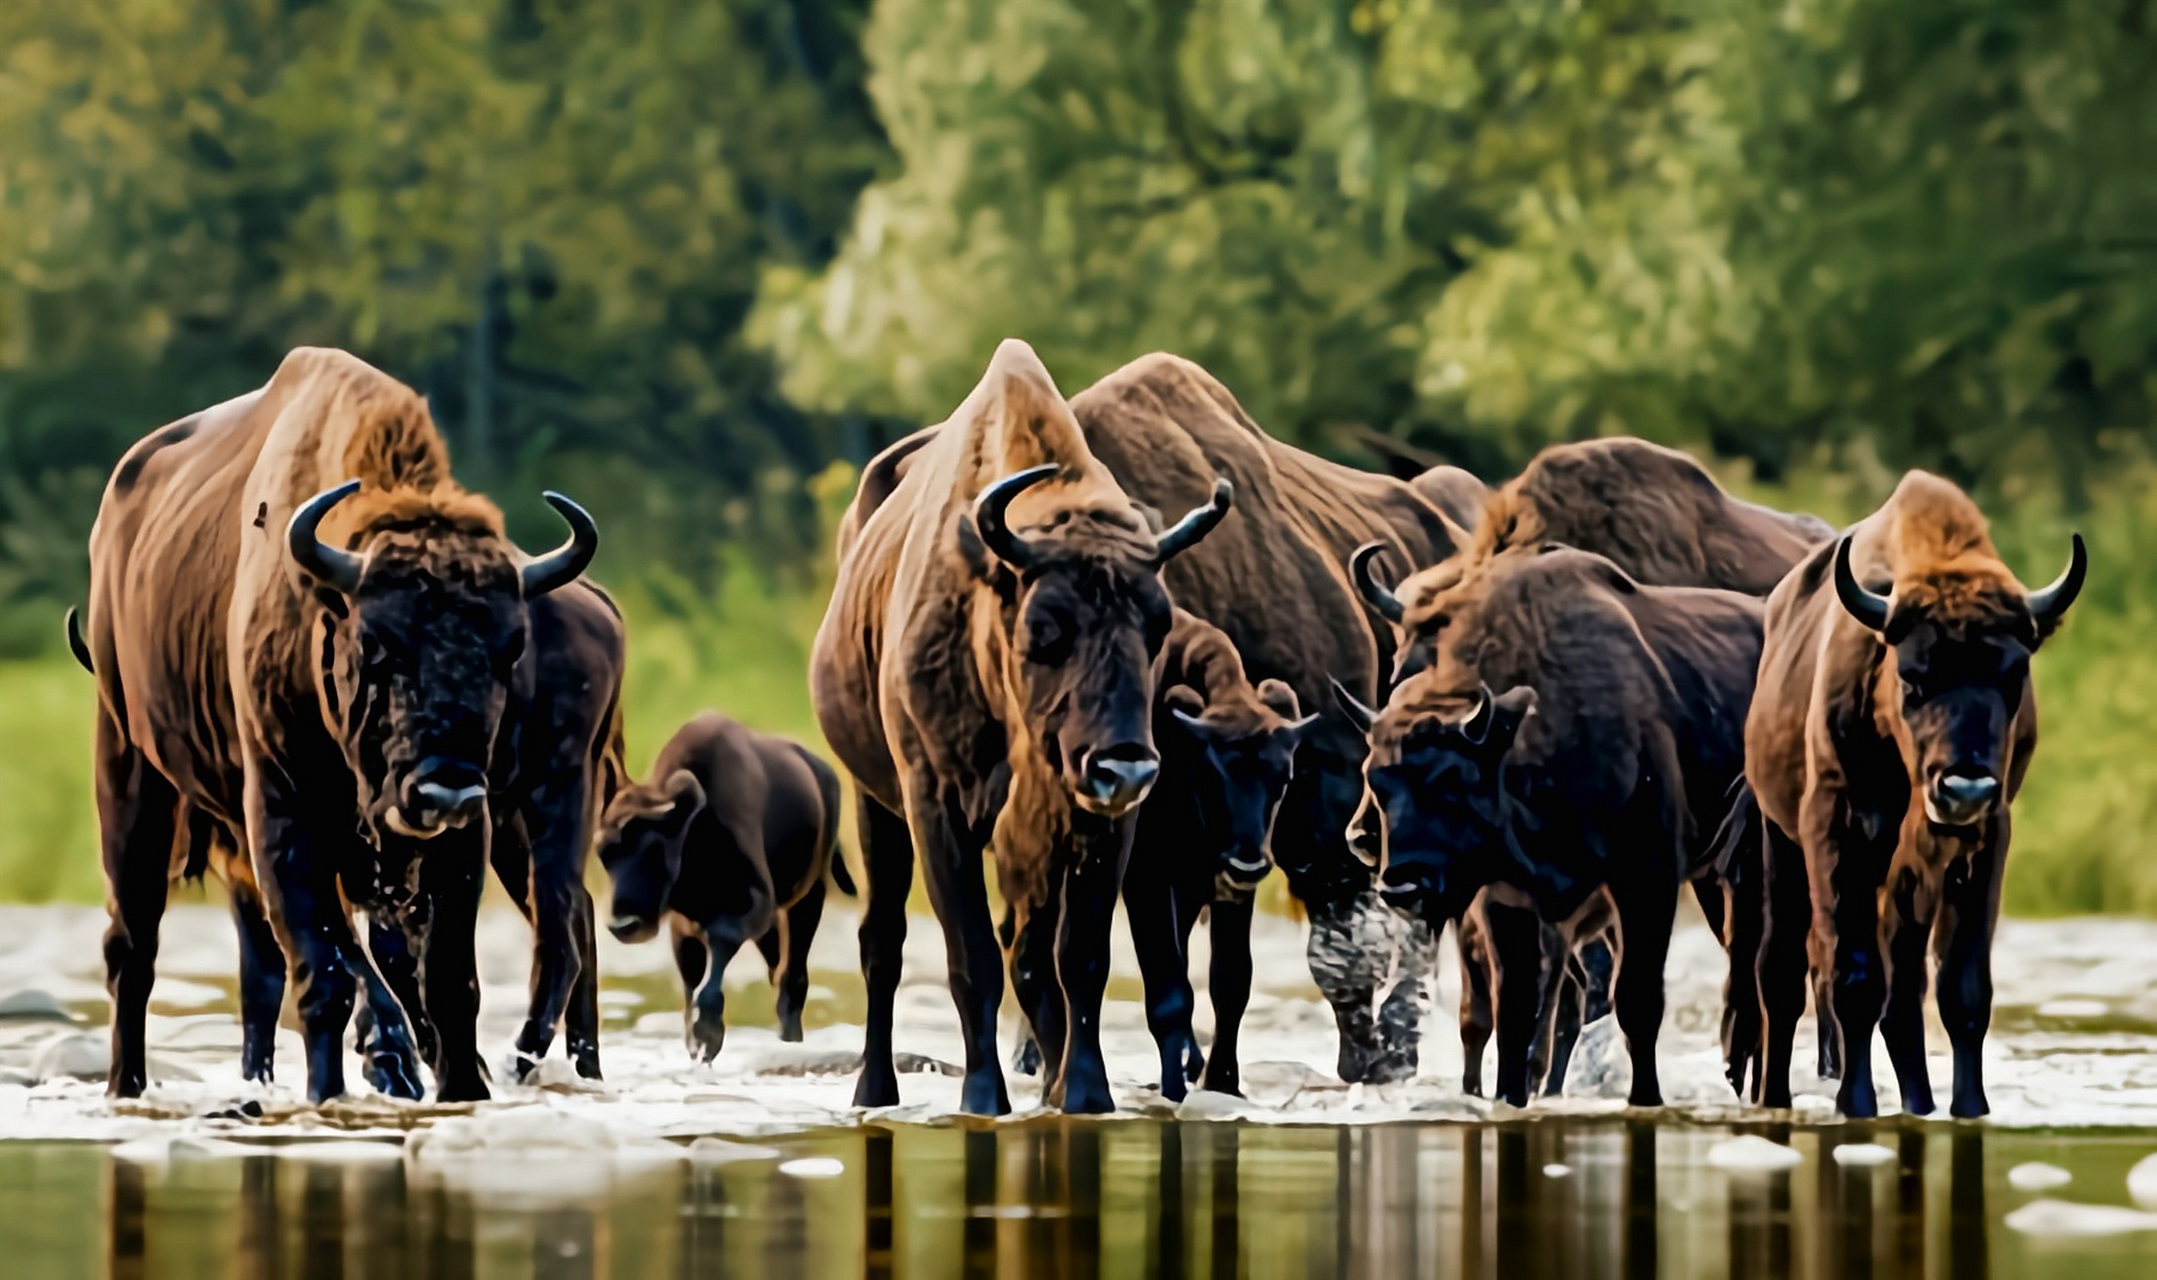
(813, 1167)
(2142, 1182)
(33, 1005)
(2062, 1218)
(1555, 1170)
(2037, 1176)
(1752, 1154)
(73, 1055)
(721, 1151)
(1863, 1155)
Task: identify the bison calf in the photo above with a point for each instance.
(728, 842)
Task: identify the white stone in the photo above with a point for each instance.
(2038, 1176)
(1863, 1155)
(2062, 1218)
(813, 1167)
(2142, 1182)
(73, 1055)
(1752, 1154)
(1555, 1170)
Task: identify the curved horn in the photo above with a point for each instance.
(989, 510)
(75, 643)
(1358, 714)
(331, 566)
(560, 567)
(1199, 522)
(1379, 595)
(2049, 603)
(1477, 726)
(1864, 604)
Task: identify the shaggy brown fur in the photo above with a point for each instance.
(1604, 763)
(997, 688)
(1654, 512)
(235, 687)
(1884, 756)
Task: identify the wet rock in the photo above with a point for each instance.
(1863, 1155)
(2142, 1182)
(917, 1064)
(713, 1151)
(1599, 1067)
(33, 1005)
(178, 1148)
(1281, 1079)
(2061, 1218)
(813, 1167)
(1557, 1170)
(78, 1055)
(1752, 1154)
(1205, 1104)
(2036, 1176)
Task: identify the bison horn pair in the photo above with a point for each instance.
(2047, 604)
(1379, 595)
(338, 568)
(992, 507)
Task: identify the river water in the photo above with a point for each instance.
(757, 1165)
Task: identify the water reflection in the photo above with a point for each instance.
(1086, 1198)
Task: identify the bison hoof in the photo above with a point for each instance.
(790, 1030)
(1969, 1106)
(1647, 1097)
(1857, 1101)
(983, 1094)
(706, 1037)
(877, 1088)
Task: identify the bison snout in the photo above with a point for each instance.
(1115, 780)
(1243, 873)
(632, 928)
(1409, 888)
(1959, 799)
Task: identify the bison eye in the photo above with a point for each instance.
(1050, 638)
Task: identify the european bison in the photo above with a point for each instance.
(1228, 749)
(1893, 727)
(729, 842)
(985, 673)
(304, 630)
(1605, 766)
(1273, 580)
(1654, 512)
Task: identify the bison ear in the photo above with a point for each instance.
(985, 567)
(1507, 711)
(1279, 698)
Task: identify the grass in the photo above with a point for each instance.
(2086, 824)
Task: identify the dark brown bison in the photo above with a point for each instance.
(1603, 767)
(1653, 512)
(729, 842)
(1228, 750)
(1893, 727)
(1573, 968)
(305, 631)
(985, 673)
(1274, 581)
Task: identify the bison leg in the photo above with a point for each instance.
(1477, 1017)
(1089, 888)
(138, 812)
(960, 897)
(557, 960)
(297, 873)
(1781, 964)
(1150, 909)
(798, 925)
(1561, 1024)
(451, 874)
(1860, 980)
(262, 982)
(1228, 987)
(1970, 912)
(1033, 981)
(1645, 912)
(707, 1000)
(887, 855)
(1516, 961)
(582, 1022)
(1902, 1022)
(1400, 1017)
(1026, 1059)
(382, 1019)
(1743, 912)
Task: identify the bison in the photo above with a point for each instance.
(1228, 749)
(1654, 512)
(985, 674)
(729, 842)
(1894, 724)
(1603, 767)
(305, 631)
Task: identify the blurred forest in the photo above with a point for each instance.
(692, 260)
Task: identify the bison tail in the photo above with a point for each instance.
(1739, 844)
(75, 643)
(840, 876)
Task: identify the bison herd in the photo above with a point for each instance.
(1124, 645)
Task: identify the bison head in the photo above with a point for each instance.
(1237, 755)
(1085, 615)
(1434, 780)
(1961, 646)
(421, 633)
(640, 845)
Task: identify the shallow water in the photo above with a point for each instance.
(1307, 1176)
(1554, 1196)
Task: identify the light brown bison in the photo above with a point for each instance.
(1653, 512)
(304, 630)
(1604, 765)
(985, 673)
(1893, 727)
(729, 842)
(1273, 581)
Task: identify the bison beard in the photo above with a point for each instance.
(986, 668)
(335, 694)
(1894, 725)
